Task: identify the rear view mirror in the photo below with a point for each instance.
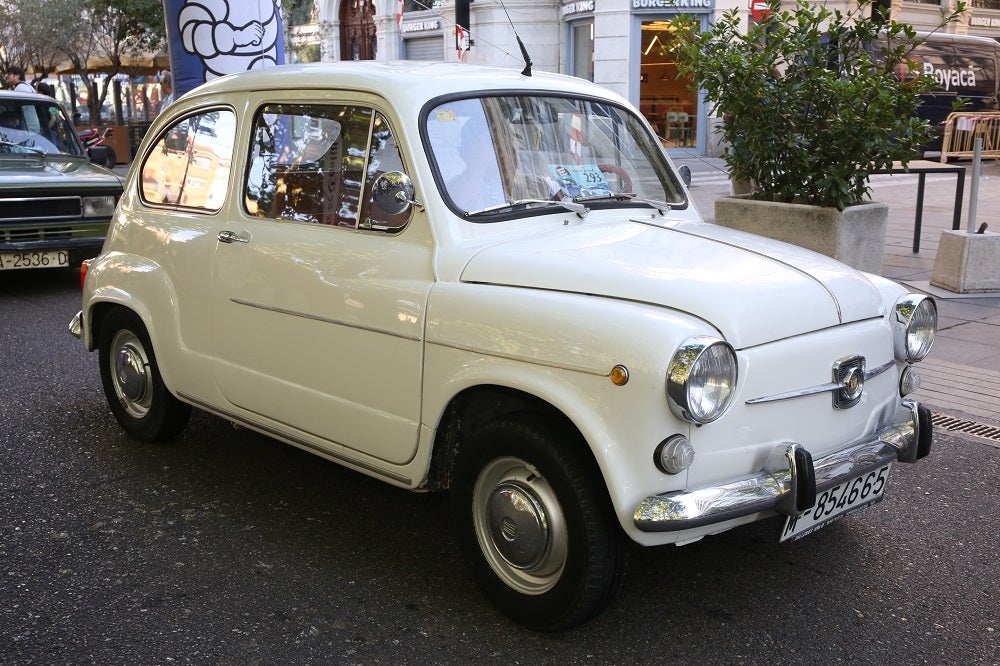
(685, 174)
(393, 192)
(98, 154)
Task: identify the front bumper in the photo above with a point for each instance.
(791, 479)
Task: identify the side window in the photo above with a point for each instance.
(189, 166)
(316, 163)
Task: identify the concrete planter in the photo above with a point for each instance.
(855, 236)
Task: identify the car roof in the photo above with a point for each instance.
(402, 81)
(28, 96)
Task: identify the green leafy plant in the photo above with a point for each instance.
(813, 100)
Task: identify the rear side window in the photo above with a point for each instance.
(316, 164)
(189, 166)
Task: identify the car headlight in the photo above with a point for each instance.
(701, 379)
(914, 326)
(98, 206)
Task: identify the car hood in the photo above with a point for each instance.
(751, 289)
(18, 171)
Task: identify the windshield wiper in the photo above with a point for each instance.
(571, 206)
(37, 151)
(661, 206)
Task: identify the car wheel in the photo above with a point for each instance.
(112, 158)
(535, 518)
(135, 391)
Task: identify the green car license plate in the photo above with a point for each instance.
(14, 260)
(836, 502)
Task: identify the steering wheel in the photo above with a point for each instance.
(623, 178)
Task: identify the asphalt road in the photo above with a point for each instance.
(226, 547)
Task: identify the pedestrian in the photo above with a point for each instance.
(15, 80)
(167, 86)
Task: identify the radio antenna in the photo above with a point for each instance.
(524, 52)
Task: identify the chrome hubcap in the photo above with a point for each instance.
(517, 525)
(520, 525)
(130, 372)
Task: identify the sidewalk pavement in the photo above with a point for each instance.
(961, 376)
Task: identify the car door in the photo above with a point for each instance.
(319, 297)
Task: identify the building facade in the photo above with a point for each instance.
(624, 45)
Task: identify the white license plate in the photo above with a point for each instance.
(836, 502)
(53, 259)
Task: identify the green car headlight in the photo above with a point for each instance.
(98, 206)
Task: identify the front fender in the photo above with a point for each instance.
(560, 348)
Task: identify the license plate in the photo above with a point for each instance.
(53, 259)
(836, 502)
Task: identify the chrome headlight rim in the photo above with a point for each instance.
(914, 327)
(686, 363)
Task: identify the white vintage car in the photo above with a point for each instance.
(459, 278)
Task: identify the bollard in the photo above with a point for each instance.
(977, 170)
(969, 262)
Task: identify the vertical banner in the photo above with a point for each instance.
(212, 38)
(462, 25)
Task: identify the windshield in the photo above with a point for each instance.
(36, 127)
(532, 151)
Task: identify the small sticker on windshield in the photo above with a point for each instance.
(445, 115)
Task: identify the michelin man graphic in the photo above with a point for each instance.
(230, 36)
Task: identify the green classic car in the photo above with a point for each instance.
(55, 205)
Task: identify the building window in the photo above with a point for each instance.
(666, 101)
(420, 5)
(986, 4)
(582, 50)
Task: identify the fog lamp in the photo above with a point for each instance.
(909, 382)
(674, 455)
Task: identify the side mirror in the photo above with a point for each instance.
(685, 173)
(393, 192)
(98, 154)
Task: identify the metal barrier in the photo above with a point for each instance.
(962, 129)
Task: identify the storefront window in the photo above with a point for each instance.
(583, 50)
(664, 99)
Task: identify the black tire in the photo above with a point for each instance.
(549, 574)
(112, 160)
(132, 384)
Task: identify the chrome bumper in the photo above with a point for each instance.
(76, 325)
(790, 480)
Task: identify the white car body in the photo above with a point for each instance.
(382, 350)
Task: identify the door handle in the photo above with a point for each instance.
(232, 237)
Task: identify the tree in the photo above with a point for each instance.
(814, 100)
(94, 36)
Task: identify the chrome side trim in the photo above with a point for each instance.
(767, 490)
(819, 388)
(281, 435)
(523, 359)
(325, 320)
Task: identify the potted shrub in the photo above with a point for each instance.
(813, 101)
